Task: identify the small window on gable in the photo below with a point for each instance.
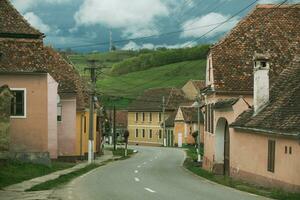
(290, 150)
(18, 103)
(263, 64)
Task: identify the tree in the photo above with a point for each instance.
(126, 136)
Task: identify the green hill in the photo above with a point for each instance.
(122, 89)
(129, 73)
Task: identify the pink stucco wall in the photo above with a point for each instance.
(213, 153)
(52, 117)
(249, 160)
(67, 127)
(30, 133)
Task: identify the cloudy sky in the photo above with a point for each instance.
(84, 25)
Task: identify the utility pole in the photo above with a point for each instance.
(110, 41)
(164, 121)
(199, 132)
(92, 70)
(114, 129)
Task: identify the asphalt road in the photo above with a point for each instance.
(153, 173)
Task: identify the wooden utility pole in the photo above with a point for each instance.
(164, 121)
(93, 77)
(114, 129)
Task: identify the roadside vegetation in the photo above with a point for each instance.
(121, 152)
(192, 165)
(16, 172)
(63, 179)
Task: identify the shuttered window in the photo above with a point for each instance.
(271, 155)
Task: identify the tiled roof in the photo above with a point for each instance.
(282, 114)
(24, 55)
(121, 118)
(198, 84)
(190, 114)
(267, 29)
(151, 100)
(170, 120)
(12, 23)
(225, 103)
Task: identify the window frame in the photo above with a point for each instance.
(136, 117)
(25, 103)
(143, 133)
(159, 117)
(150, 134)
(136, 133)
(150, 116)
(271, 155)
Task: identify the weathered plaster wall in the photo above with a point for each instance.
(67, 127)
(5, 99)
(249, 160)
(52, 117)
(30, 134)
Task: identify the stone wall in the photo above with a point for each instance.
(5, 99)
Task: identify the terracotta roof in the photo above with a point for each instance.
(121, 118)
(198, 84)
(225, 103)
(151, 100)
(12, 23)
(267, 29)
(282, 113)
(170, 120)
(190, 114)
(24, 55)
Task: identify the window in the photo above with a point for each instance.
(159, 117)
(286, 150)
(290, 150)
(206, 117)
(150, 133)
(143, 133)
(136, 117)
(59, 109)
(150, 117)
(160, 134)
(136, 133)
(18, 103)
(143, 117)
(271, 155)
(84, 124)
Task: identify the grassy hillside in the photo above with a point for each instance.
(128, 86)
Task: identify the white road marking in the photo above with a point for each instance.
(149, 190)
(139, 166)
(145, 163)
(151, 160)
(155, 157)
(136, 179)
(136, 171)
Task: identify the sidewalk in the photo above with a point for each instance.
(17, 191)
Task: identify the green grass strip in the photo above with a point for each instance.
(63, 179)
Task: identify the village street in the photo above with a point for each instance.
(153, 173)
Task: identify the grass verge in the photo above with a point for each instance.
(16, 172)
(121, 152)
(191, 164)
(63, 179)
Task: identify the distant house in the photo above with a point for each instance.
(192, 88)
(185, 124)
(266, 138)
(145, 115)
(268, 29)
(49, 106)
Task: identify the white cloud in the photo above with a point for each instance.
(207, 23)
(136, 17)
(134, 46)
(24, 5)
(36, 22)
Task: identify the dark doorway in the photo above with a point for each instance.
(226, 150)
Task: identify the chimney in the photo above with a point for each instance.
(261, 81)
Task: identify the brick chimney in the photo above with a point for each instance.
(261, 82)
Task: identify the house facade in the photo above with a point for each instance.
(185, 124)
(49, 93)
(229, 74)
(192, 89)
(145, 115)
(272, 128)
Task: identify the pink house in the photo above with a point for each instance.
(229, 74)
(48, 91)
(266, 139)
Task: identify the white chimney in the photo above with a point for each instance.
(261, 82)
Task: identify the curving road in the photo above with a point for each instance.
(153, 173)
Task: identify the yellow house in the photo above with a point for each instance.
(145, 115)
(82, 132)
